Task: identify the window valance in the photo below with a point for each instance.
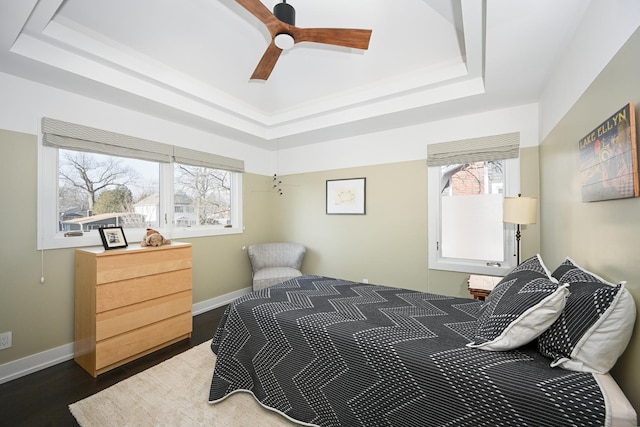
(486, 148)
(72, 136)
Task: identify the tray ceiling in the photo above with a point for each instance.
(190, 61)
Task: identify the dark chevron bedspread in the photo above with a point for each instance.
(338, 353)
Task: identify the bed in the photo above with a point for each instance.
(330, 352)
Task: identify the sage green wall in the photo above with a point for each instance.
(388, 245)
(601, 236)
(25, 304)
(40, 316)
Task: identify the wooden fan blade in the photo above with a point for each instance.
(266, 64)
(358, 39)
(260, 11)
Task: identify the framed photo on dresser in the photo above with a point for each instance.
(113, 237)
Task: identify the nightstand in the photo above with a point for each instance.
(481, 286)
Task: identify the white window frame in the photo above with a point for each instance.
(49, 236)
(437, 261)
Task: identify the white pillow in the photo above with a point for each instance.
(595, 325)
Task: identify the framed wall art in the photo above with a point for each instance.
(346, 196)
(113, 237)
(609, 158)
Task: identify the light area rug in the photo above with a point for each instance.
(173, 393)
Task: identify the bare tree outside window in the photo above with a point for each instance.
(97, 190)
(83, 191)
(92, 173)
(203, 196)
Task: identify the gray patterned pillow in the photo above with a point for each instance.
(522, 306)
(595, 325)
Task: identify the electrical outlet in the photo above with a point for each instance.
(5, 340)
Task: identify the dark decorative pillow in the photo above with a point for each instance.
(521, 306)
(595, 325)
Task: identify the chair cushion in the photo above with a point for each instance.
(272, 276)
(264, 255)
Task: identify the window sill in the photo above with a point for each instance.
(92, 238)
(472, 268)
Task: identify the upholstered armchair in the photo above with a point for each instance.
(273, 263)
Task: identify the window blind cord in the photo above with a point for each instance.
(42, 266)
(40, 199)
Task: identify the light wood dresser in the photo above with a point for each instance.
(130, 302)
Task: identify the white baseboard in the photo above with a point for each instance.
(210, 304)
(36, 362)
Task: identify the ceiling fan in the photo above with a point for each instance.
(284, 34)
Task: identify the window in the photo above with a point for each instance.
(202, 196)
(466, 232)
(81, 190)
(98, 190)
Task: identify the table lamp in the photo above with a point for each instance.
(520, 211)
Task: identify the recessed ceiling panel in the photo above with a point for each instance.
(191, 61)
(218, 43)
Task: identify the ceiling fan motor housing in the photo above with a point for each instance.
(285, 12)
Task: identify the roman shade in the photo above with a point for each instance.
(72, 136)
(198, 158)
(486, 148)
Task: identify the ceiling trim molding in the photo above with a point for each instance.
(53, 41)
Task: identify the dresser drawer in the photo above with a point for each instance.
(113, 295)
(125, 319)
(128, 346)
(130, 265)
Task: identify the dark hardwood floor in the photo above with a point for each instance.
(42, 398)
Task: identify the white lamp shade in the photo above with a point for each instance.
(520, 210)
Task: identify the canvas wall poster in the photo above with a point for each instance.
(609, 159)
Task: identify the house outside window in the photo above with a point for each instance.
(466, 232)
(82, 190)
